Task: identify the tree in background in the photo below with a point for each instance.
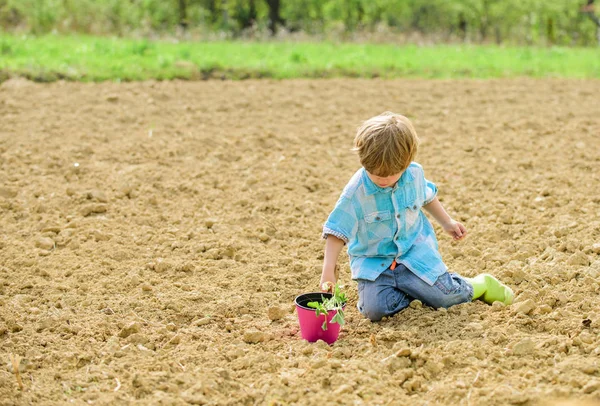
(183, 22)
(274, 15)
(244, 13)
(590, 10)
(495, 18)
(462, 26)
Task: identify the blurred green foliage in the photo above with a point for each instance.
(537, 22)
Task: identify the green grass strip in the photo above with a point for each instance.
(85, 58)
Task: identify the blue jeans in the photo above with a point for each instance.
(393, 291)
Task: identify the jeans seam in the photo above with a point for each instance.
(442, 287)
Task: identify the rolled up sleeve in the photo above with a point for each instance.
(342, 222)
(428, 189)
(430, 192)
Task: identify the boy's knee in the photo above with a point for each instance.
(374, 310)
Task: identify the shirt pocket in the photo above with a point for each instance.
(379, 225)
(413, 212)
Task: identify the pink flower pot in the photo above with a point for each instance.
(311, 325)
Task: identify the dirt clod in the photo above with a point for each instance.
(130, 329)
(578, 258)
(524, 307)
(276, 313)
(45, 243)
(524, 347)
(254, 337)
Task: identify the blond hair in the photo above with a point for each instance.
(386, 144)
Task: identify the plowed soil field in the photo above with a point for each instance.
(153, 237)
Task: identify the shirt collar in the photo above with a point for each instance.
(371, 188)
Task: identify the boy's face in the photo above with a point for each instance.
(385, 181)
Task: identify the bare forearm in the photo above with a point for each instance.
(333, 247)
(450, 226)
(438, 212)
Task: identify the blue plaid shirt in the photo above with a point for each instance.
(383, 224)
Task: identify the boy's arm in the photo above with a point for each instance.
(333, 247)
(452, 227)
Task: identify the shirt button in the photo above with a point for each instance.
(415, 207)
(382, 264)
(397, 216)
(377, 218)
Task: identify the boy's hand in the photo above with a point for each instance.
(456, 230)
(327, 286)
(328, 279)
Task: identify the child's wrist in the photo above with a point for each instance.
(447, 223)
(328, 272)
(445, 220)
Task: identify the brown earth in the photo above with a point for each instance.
(148, 228)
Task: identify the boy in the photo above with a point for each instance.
(391, 243)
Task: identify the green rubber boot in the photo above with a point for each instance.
(490, 289)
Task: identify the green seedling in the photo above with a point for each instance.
(335, 302)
